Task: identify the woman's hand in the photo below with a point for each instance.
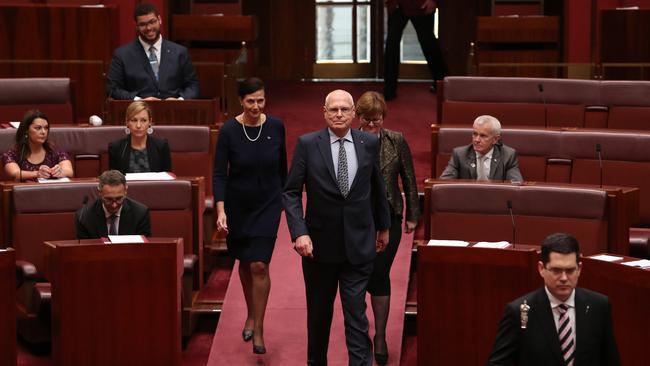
(44, 172)
(222, 222)
(56, 171)
(409, 227)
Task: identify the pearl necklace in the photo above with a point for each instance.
(243, 126)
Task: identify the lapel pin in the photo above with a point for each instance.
(473, 165)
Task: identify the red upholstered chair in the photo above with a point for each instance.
(478, 211)
(53, 96)
(629, 107)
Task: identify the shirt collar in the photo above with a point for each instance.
(334, 138)
(488, 155)
(555, 302)
(157, 45)
(118, 213)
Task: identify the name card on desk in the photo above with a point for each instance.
(149, 176)
(492, 244)
(448, 243)
(126, 239)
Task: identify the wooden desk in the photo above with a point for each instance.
(115, 304)
(7, 307)
(462, 293)
(170, 112)
(628, 289)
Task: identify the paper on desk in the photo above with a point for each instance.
(125, 239)
(54, 180)
(448, 243)
(492, 244)
(606, 257)
(149, 176)
(14, 124)
(641, 263)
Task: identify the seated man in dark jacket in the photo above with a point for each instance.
(113, 213)
(486, 158)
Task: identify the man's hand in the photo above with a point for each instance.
(172, 98)
(382, 240)
(304, 246)
(151, 98)
(429, 6)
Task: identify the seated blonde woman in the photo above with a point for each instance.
(33, 156)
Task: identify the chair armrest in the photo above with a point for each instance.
(190, 267)
(25, 271)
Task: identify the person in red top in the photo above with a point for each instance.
(420, 13)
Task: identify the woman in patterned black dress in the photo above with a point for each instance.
(250, 169)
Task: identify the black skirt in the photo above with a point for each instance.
(253, 249)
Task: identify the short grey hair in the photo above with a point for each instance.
(495, 125)
(348, 97)
(112, 178)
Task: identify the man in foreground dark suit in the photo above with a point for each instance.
(151, 68)
(113, 213)
(559, 324)
(346, 222)
(486, 158)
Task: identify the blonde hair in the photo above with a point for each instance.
(137, 107)
(371, 104)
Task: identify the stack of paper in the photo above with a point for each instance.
(448, 243)
(126, 239)
(641, 263)
(606, 258)
(149, 176)
(492, 244)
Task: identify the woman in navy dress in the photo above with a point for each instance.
(250, 169)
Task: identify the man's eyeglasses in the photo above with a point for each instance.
(558, 271)
(377, 121)
(113, 200)
(152, 22)
(335, 111)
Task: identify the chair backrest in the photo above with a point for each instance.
(52, 96)
(43, 212)
(477, 212)
(628, 103)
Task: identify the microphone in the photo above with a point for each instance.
(600, 163)
(540, 87)
(514, 227)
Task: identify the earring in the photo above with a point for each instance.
(127, 131)
(150, 130)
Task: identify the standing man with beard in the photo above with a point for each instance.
(151, 67)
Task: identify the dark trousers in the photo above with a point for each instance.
(428, 42)
(321, 282)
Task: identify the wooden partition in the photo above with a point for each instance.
(625, 44)
(462, 293)
(7, 307)
(628, 289)
(171, 112)
(43, 40)
(115, 304)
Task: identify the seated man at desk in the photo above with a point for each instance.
(113, 213)
(151, 67)
(486, 158)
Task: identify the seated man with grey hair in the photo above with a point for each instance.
(486, 158)
(113, 213)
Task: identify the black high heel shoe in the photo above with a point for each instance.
(381, 358)
(247, 334)
(259, 350)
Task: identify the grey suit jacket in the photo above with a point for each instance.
(341, 228)
(504, 165)
(539, 345)
(130, 73)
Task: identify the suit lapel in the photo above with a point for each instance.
(101, 219)
(494, 162)
(163, 63)
(547, 323)
(387, 152)
(145, 60)
(582, 322)
(360, 149)
(125, 219)
(326, 150)
(471, 162)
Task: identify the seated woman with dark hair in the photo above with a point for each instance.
(139, 152)
(33, 156)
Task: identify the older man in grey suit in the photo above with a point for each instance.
(486, 158)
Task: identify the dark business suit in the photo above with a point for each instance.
(130, 73)
(134, 220)
(158, 154)
(538, 344)
(343, 234)
(504, 164)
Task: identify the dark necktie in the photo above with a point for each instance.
(342, 177)
(567, 343)
(153, 60)
(112, 222)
